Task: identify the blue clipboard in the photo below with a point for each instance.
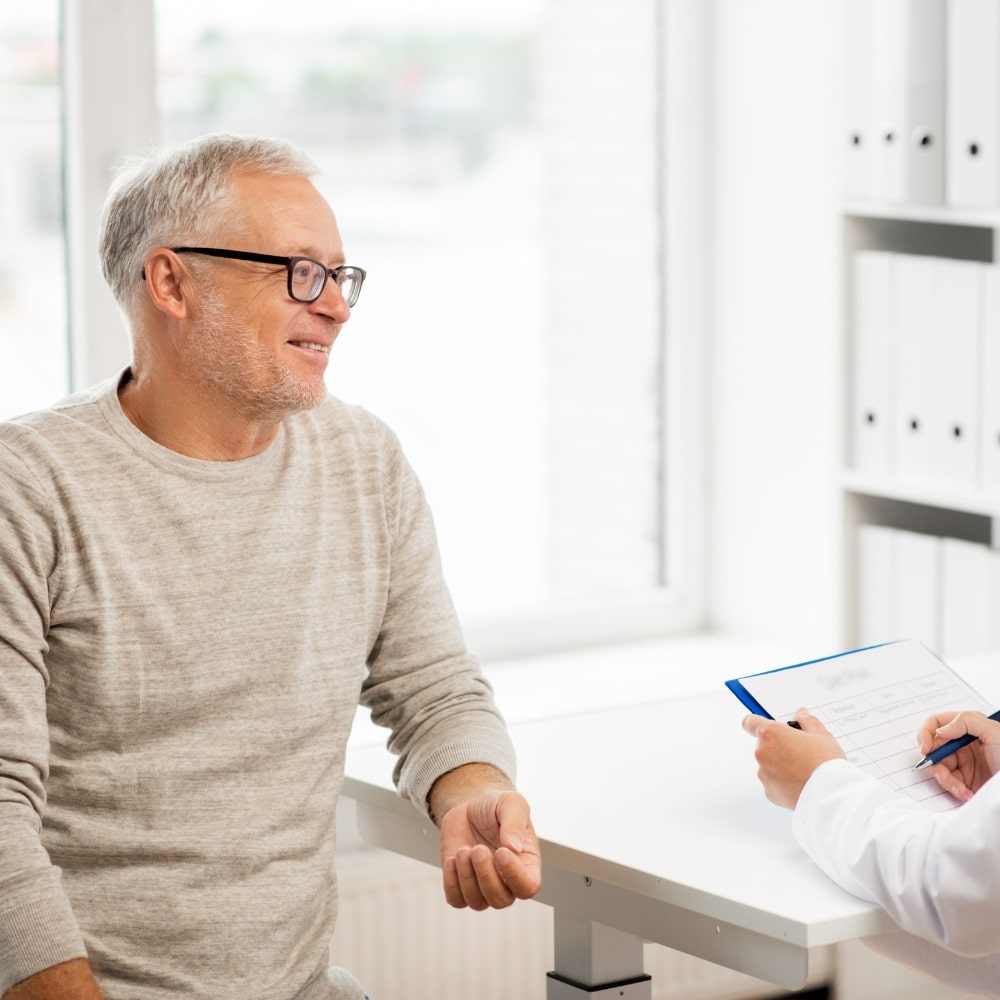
(750, 702)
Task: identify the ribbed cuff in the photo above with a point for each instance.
(416, 777)
(35, 936)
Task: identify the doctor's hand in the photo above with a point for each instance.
(788, 756)
(489, 851)
(966, 771)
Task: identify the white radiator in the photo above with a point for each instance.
(398, 936)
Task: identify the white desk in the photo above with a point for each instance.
(653, 827)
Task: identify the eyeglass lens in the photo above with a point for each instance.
(306, 279)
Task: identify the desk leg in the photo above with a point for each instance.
(595, 961)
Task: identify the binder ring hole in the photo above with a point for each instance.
(855, 138)
(914, 424)
(922, 139)
(973, 149)
(889, 136)
(957, 431)
(869, 417)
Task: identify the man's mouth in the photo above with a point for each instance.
(308, 345)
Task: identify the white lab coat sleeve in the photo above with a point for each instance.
(937, 874)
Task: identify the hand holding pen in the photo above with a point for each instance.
(970, 755)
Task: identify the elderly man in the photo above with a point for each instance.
(208, 562)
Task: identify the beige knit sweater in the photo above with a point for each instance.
(183, 645)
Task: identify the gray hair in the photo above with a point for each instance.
(175, 196)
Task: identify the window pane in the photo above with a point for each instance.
(493, 166)
(33, 331)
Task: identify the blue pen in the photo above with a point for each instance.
(947, 749)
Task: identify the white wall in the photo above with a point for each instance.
(774, 356)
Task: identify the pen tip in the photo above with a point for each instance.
(921, 764)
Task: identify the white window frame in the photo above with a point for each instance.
(109, 83)
(109, 98)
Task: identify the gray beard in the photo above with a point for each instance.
(272, 391)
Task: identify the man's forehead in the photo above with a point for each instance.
(278, 192)
(288, 209)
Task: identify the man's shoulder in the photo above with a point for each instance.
(58, 432)
(68, 407)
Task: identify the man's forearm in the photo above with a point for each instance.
(71, 980)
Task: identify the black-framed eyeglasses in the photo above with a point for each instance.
(306, 277)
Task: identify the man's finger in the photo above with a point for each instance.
(519, 878)
(493, 889)
(515, 816)
(469, 881)
(452, 887)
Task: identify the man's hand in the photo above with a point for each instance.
(788, 756)
(966, 771)
(489, 850)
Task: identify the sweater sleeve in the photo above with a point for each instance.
(936, 874)
(422, 682)
(37, 925)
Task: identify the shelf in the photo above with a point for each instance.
(920, 351)
(944, 215)
(926, 231)
(926, 494)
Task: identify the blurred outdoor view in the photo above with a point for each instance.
(424, 130)
(494, 168)
(33, 333)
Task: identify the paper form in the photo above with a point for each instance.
(873, 701)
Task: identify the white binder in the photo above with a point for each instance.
(899, 585)
(994, 599)
(989, 382)
(859, 126)
(916, 586)
(908, 46)
(967, 608)
(953, 383)
(914, 383)
(973, 103)
(872, 348)
(875, 607)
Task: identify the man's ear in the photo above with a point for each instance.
(168, 283)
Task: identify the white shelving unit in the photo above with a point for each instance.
(885, 498)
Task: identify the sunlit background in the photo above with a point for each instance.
(33, 325)
(511, 327)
